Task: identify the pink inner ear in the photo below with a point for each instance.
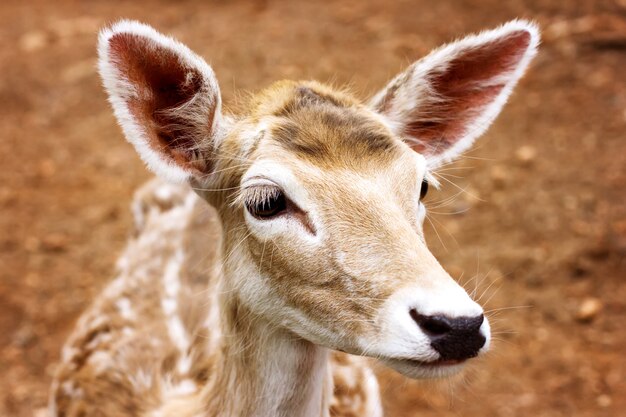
(162, 82)
(471, 81)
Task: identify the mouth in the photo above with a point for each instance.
(434, 364)
(417, 369)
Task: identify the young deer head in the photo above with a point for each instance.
(320, 194)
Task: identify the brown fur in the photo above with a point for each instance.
(222, 312)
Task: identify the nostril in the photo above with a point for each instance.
(435, 326)
(432, 325)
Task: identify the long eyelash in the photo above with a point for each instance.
(432, 180)
(256, 195)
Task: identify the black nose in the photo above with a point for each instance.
(454, 338)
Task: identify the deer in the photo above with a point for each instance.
(281, 249)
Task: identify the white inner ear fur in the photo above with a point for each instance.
(120, 89)
(416, 92)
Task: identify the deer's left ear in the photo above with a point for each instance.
(165, 97)
(444, 101)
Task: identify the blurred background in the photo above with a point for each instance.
(535, 220)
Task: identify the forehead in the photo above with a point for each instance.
(326, 128)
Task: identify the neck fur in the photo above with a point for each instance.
(264, 371)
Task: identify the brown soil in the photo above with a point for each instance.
(542, 223)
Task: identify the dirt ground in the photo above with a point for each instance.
(540, 230)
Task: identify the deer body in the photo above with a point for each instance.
(314, 243)
(167, 272)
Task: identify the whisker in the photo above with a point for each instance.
(436, 232)
(452, 213)
(506, 308)
(443, 202)
(431, 219)
(458, 187)
(494, 293)
(488, 287)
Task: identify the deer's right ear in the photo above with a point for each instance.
(165, 97)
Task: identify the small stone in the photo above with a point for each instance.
(604, 401)
(526, 154)
(47, 168)
(588, 309)
(55, 242)
(33, 41)
(499, 176)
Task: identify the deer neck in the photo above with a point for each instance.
(264, 371)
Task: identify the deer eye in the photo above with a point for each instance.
(266, 202)
(424, 189)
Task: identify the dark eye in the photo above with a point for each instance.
(269, 204)
(424, 189)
